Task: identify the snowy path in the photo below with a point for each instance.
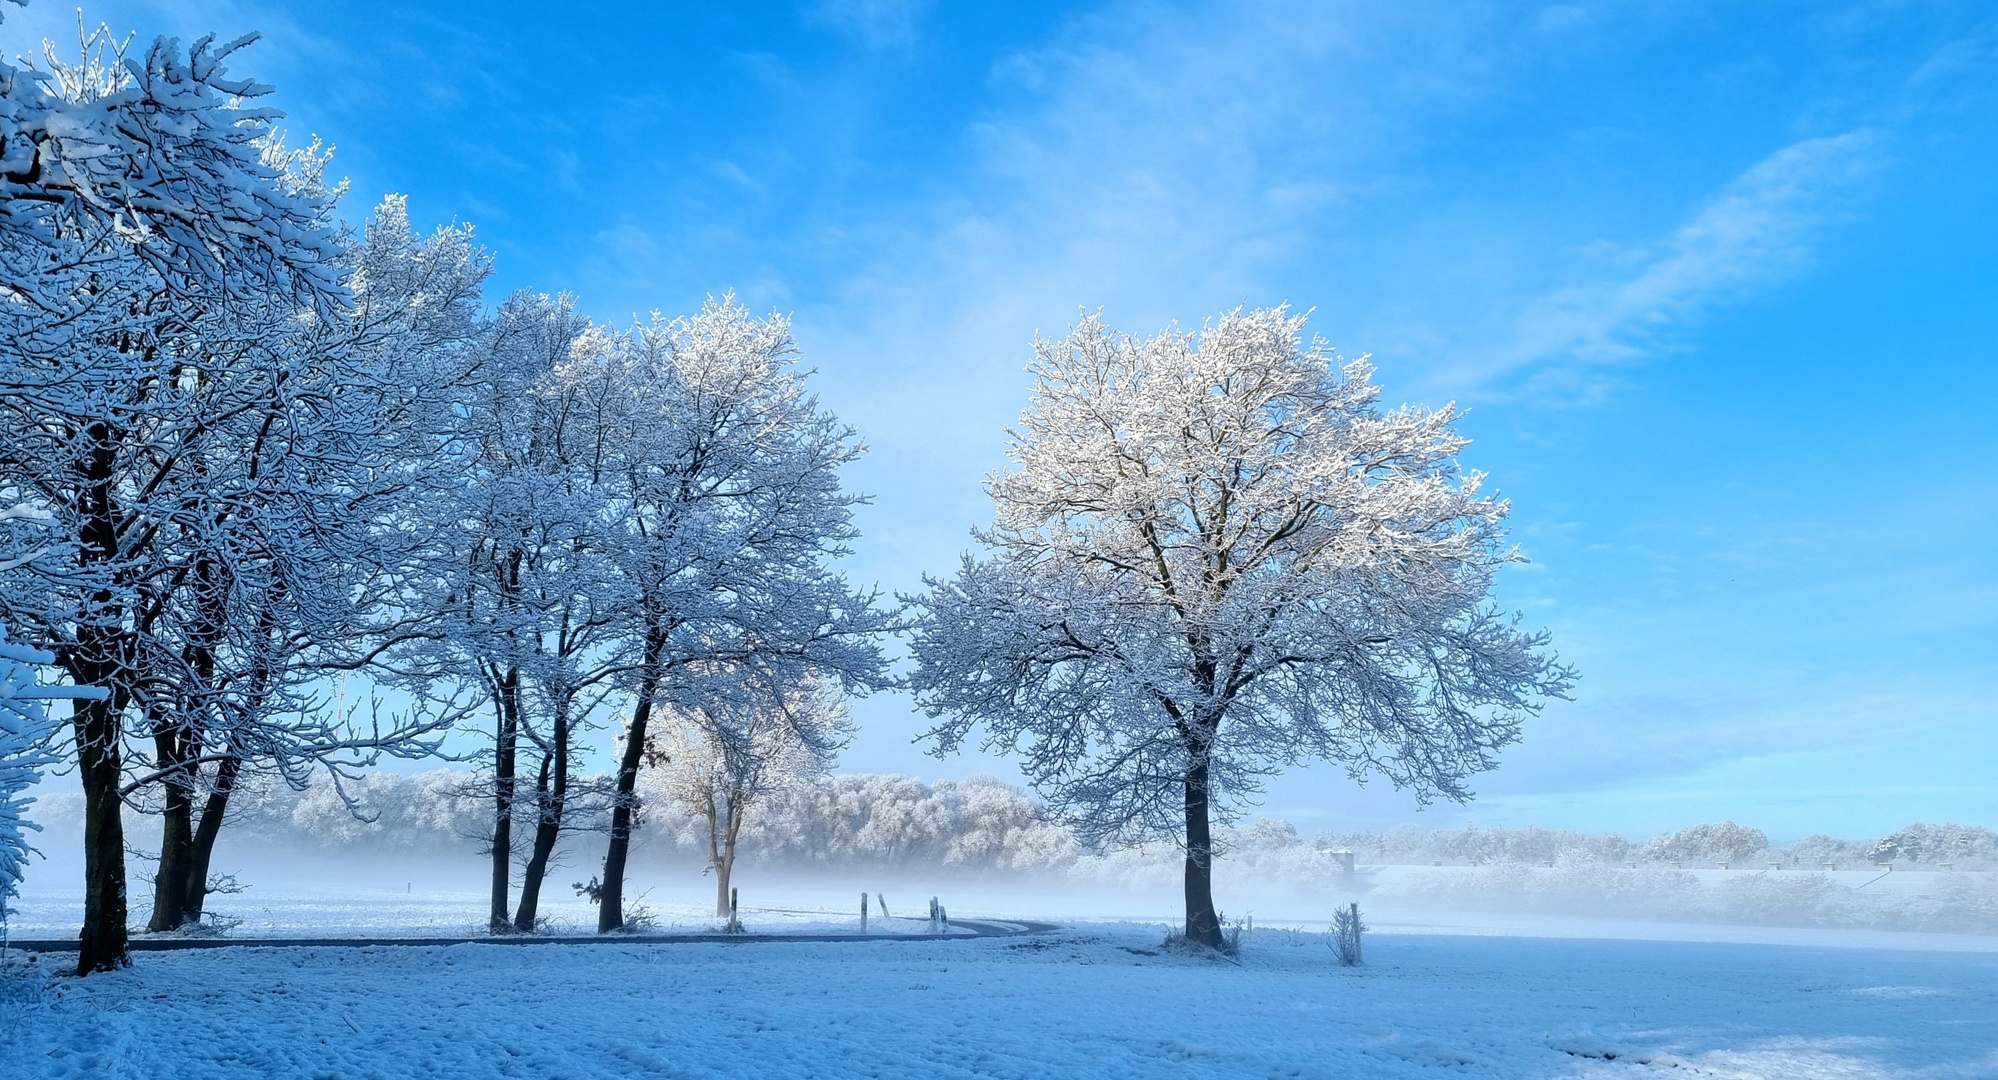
(1091, 1002)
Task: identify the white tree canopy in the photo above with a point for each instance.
(1217, 556)
(170, 155)
(731, 517)
(719, 759)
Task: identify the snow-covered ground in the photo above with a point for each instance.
(433, 898)
(1447, 991)
(1096, 1001)
(305, 911)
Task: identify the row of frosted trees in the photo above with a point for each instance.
(252, 451)
(247, 451)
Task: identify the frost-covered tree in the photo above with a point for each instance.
(563, 579)
(1725, 842)
(162, 151)
(719, 758)
(138, 197)
(524, 591)
(1217, 556)
(1965, 845)
(732, 516)
(304, 449)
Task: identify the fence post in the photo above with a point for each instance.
(863, 913)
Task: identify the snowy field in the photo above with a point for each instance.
(295, 911)
(1445, 992)
(1095, 1001)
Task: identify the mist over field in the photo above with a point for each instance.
(308, 864)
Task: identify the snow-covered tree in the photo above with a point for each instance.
(504, 521)
(1964, 845)
(527, 592)
(166, 154)
(25, 731)
(1217, 556)
(719, 758)
(140, 196)
(293, 528)
(732, 515)
(1725, 842)
(561, 577)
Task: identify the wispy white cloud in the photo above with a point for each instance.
(1761, 227)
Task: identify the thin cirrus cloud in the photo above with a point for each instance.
(1168, 164)
(1761, 227)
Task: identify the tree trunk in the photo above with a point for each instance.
(100, 768)
(549, 826)
(610, 906)
(1203, 926)
(177, 734)
(506, 742)
(212, 813)
(97, 659)
(725, 860)
(170, 884)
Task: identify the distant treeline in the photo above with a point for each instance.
(982, 825)
(986, 828)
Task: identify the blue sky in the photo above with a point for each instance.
(1715, 281)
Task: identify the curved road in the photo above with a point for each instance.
(980, 928)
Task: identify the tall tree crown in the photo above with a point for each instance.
(1216, 551)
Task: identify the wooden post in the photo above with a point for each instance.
(863, 913)
(1355, 909)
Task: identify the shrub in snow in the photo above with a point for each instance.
(1346, 931)
(1709, 844)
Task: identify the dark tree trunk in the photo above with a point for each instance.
(98, 659)
(548, 827)
(1203, 926)
(170, 884)
(610, 905)
(100, 768)
(178, 735)
(506, 743)
(212, 813)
